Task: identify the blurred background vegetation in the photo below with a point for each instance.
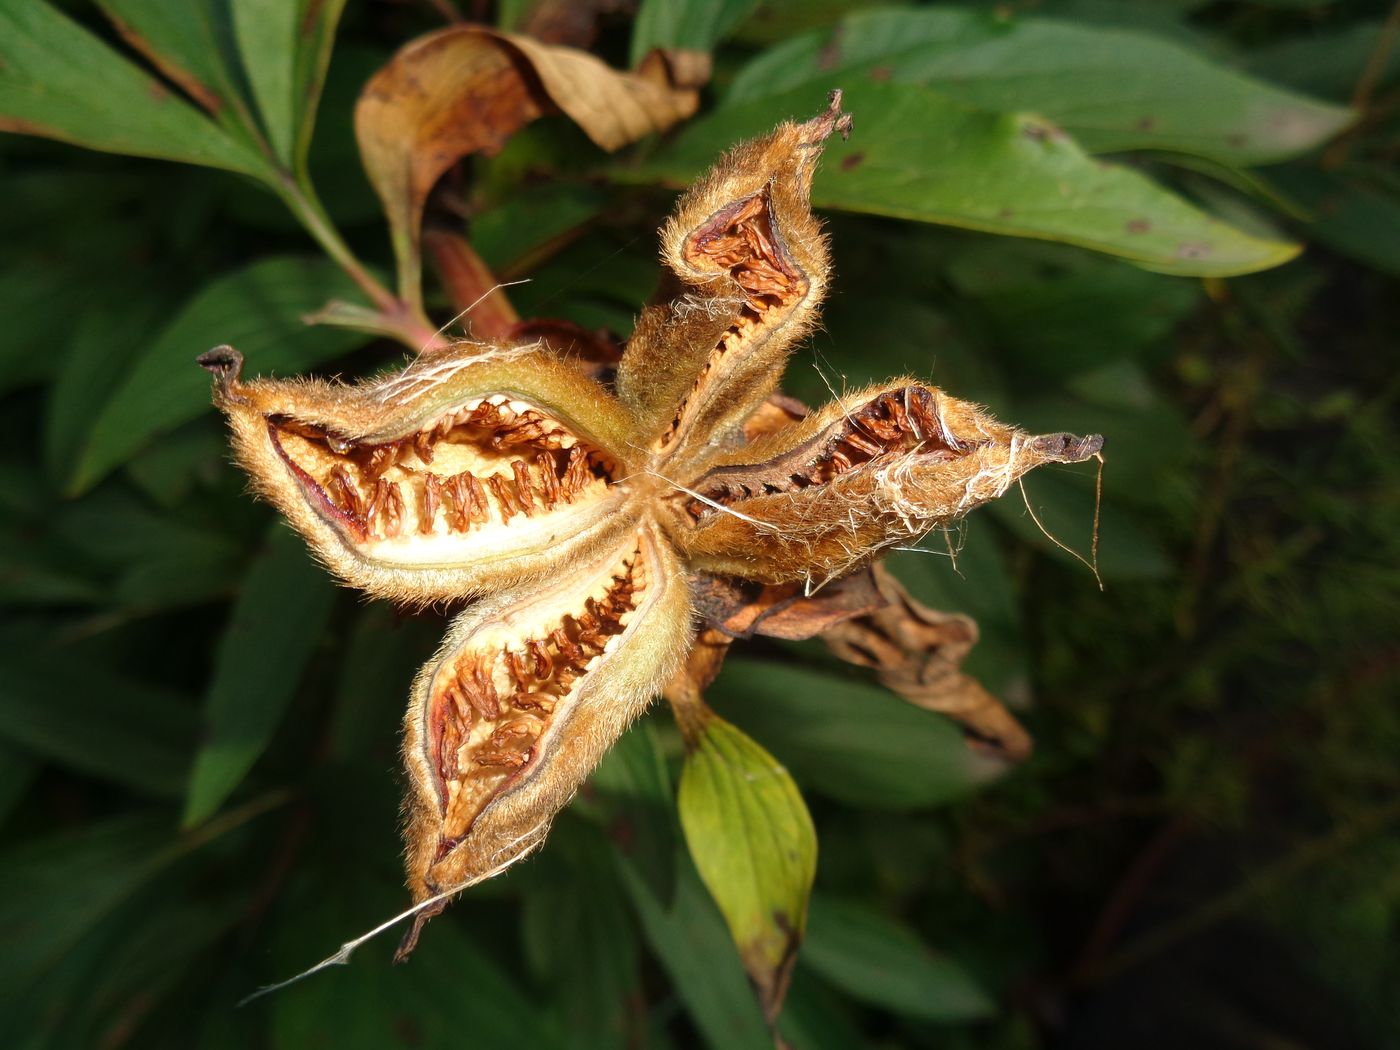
(1201, 853)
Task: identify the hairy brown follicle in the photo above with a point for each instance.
(592, 523)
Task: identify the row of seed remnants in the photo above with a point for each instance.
(389, 489)
(490, 707)
(741, 239)
(892, 424)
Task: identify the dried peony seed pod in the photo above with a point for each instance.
(588, 520)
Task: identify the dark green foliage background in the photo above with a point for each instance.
(1202, 853)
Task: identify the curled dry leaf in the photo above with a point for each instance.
(580, 512)
(467, 89)
(917, 653)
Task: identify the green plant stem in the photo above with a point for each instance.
(404, 322)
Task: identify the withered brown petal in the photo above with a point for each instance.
(529, 690)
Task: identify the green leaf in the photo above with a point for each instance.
(316, 37)
(630, 795)
(1111, 89)
(17, 771)
(258, 309)
(1051, 311)
(279, 617)
(580, 939)
(695, 25)
(60, 886)
(1322, 60)
(71, 711)
(881, 962)
(59, 81)
(186, 42)
(513, 237)
(753, 843)
(266, 31)
(158, 559)
(1351, 214)
(458, 991)
(848, 740)
(286, 47)
(920, 155)
(381, 653)
(108, 337)
(695, 949)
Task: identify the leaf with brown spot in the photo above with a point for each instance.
(467, 89)
(752, 840)
(59, 81)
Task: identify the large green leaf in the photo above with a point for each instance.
(917, 154)
(630, 795)
(156, 559)
(580, 939)
(753, 843)
(697, 25)
(278, 619)
(88, 719)
(849, 740)
(266, 31)
(316, 29)
(108, 336)
(697, 953)
(458, 990)
(1052, 311)
(285, 46)
(1353, 211)
(18, 769)
(58, 887)
(879, 961)
(59, 81)
(257, 309)
(186, 42)
(1111, 89)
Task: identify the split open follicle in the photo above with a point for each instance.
(489, 460)
(490, 703)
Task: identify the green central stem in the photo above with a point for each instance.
(398, 318)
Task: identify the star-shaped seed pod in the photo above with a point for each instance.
(607, 524)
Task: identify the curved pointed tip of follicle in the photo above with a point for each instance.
(831, 119)
(1066, 448)
(225, 364)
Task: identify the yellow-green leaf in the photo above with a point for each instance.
(753, 842)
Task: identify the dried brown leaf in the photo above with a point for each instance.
(467, 89)
(917, 653)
